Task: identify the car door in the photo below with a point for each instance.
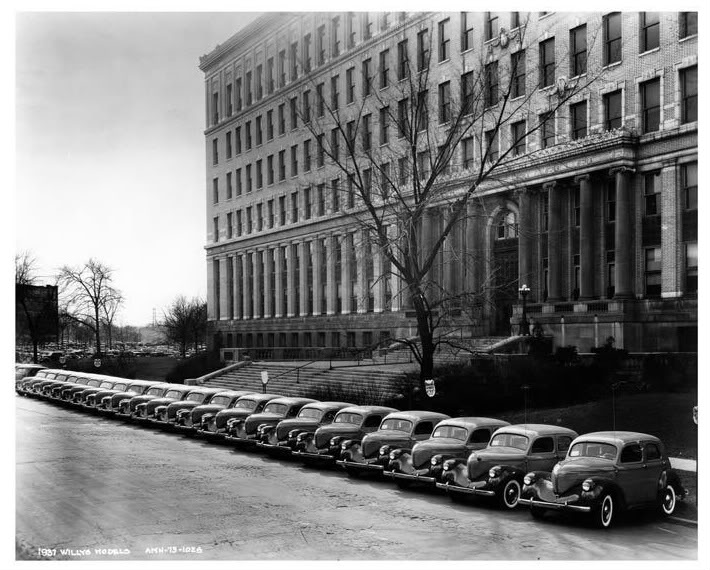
(630, 475)
(653, 466)
(542, 455)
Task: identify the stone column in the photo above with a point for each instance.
(471, 257)
(554, 241)
(378, 264)
(447, 252)
(279, 281)
(258, 282)
(246, 287)
(672, 283)
(316, 248)
(291, 280)
(623, 288)
(268, 268)
(211, 300)
(426, 236)
(346, 253)
(586, 237)
(394, 277)
(237, 286)
(362, 247)
(525, 237)
(330, 244)
(304, 251)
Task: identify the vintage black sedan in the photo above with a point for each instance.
(399, 430)
(352, 423)
(23, 372)
(146, 411)
(226, 419)
(282, 437)
(44, 389)
(30, 384)
(454, 438)
(107, 383)
(190, 419)
(498, 470)
(66, 392)
(110, 402)
(127, 406)
(249, 430)
(606, 473)
(167, 416)
(93, 400)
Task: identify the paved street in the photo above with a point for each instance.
(86, 483)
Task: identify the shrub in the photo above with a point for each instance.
(194, 367)
(361, 394)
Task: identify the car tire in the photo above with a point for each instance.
(604, 513)
(668, 500)
(510, 494)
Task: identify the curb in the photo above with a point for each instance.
(685, 522)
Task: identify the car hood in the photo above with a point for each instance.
(255, 420)
(199, 411)
(324, 434)
(373, 441)
(161, 402)
(480, 462)
(286, 426)
(572, 472)
(423, 451)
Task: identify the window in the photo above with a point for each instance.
(691, 267)
(547, 129)
(543, 445)
(689, 94)
(517, 133)
(294, 160)
(547, 62)
(238, 93)
(492, 145)
(350, 30)
(384, 125)
(215, 190)
(320, 45)
(270, 169)
(367, 132)
(403, 170)
(689, 185)
(467, 92)
(269, 124)
(229, 186)
(444, 41)
(259, 82)
(578, 55)
(612, 38)
(651, 195)
(652, 452)
(215, 108)
(351, 192)
(215, 151)
(402, 60)
(649, 31)
(282, 165)
(259, 138)
(335, 36)
(563, 443)
(384, 69)
(507, 226)
(491, 23)
(293, 57)
(228, 144)
(306, 155)
(687, 24)
(651, 105)
(445, 102)
(481, 435)
(307, 106)
(491, 84)
(334, 95)
(576, 208)
(467, 152)
(366, 26)
(307, 203)
(248, 177)
(248, 88)
(282, 68)
(366, 77)
(350, 85)
(282, 210)
(320, 204)
(294, 207)
(423, 163)
(293, 105)
(238, 181)
(514, 20)
(423, 50)
(350, 134)
(270, 75)
(335, 144)
(402, 117)
(612, 110)
(270, 213)
(250, 226)
(320, 149)
(239, 222)
(335, 194)
(517, 65)
(247, 134)
(578, 118)
(215, 228)
(545, 222)
(653, 272)
(366, 183)
(422, 111)
(259, 218)
(384, 21)
(385, 180)
(610, 201)
(466, 31)
(229, 100)
(320, 99)
(306, 53)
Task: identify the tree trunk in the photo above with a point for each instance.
(97, 332)
(426, 337)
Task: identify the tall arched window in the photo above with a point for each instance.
(507, 226)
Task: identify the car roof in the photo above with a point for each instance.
(369, 409)
(534, 430)
(617, 437)
(416, 415)
(233, 393)
(290, 400)
(473, 422)
(260, 397)
(30, 366)
(203, 390)
(181, 387)
(144, 382)
(327, 405)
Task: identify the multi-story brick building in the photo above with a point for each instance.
(601, 224)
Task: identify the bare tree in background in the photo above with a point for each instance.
(428, 130)
(110, 308)
(25, 282)
(185, 322)
(86, 291)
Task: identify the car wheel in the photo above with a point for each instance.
(510, 494)
(604, 513)
(668, 500)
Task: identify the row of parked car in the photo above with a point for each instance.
(543, 467)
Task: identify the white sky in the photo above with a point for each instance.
(109, 147)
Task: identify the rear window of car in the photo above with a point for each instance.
(593, 449)
(220, 400)
(196, 397)
(513, 440)
(246, 404)
(173, 394)
(452, 432)
(349, 418)
(310, 414)
(396, 425)
(275, 409)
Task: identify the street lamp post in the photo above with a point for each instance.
(525, 327)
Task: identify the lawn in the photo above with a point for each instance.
(154, 367)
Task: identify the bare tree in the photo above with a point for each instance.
(401, 181)
(38, 307)
(86, 291)
(110, 307)
(185, 322)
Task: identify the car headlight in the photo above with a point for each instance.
(393, 456)
(293, 433)
(529, 479)
(301, 436)
(346, 444)
(435, 460)
(494, 472)
(335, 440)
(181, 413)
(231, 422)
(449, 464)
(556, 468)
(384, 450)
(587, 485)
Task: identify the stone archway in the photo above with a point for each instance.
(503, 266)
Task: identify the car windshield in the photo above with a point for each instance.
(51, 376)
(246, 404)
(106, 385)
(220, 400)
(196, 397)
(173, 394)
(310, 414)
(94, 383)
(397, 425)
(279, 409)
(510, 440)
(593, 449)
(120, 386)
(61, 377)
(450, 431)
(348, 418)
(154, 392)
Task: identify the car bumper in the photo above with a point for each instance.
(475, 490)
(274, 448)
(424, 479)
(310, 457)
(365, 467)
(562, 504)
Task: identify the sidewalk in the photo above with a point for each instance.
(687, 509)
(684, 464)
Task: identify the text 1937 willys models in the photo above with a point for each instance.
(397, 430)
(498, 470)
(454, 438)
(605, 473)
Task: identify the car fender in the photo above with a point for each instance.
(604, 485)
(673, 479)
